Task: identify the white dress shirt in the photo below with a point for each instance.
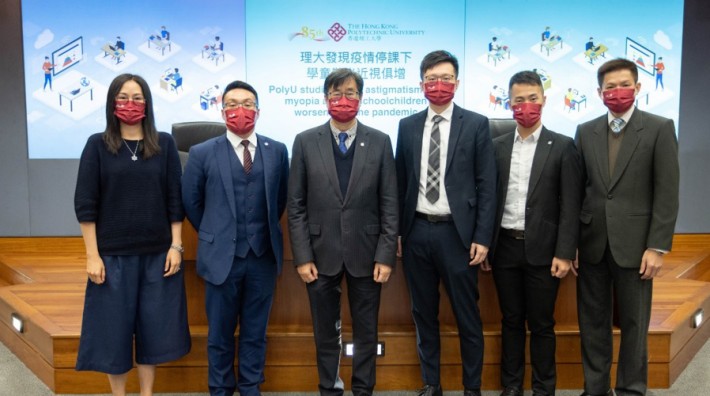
(521, 161)
(440, 207)
(236, 142)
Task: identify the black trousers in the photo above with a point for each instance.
(364, 299)
(525, 293)
(433, 253)
(595, 285)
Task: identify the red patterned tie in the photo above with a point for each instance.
(247, 157)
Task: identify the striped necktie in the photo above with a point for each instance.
(433, 174)
(247, 157)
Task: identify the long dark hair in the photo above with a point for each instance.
(112, 134)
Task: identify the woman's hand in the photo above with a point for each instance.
(172, 262)
(95, 269)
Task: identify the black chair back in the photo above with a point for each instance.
(501, 126)
(188, 134)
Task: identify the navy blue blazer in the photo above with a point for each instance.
(208, 197)
(470, 178)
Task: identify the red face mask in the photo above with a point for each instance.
(343, 109)
(618, 100)
(527, 114)
(129, 112)
(240, 120)
(439, 92)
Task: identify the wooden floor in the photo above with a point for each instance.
(43, 280)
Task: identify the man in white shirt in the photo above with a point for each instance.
(539, 197)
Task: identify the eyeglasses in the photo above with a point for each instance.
(121, 100)
(247, 104)
(347, 94)
(445, 78)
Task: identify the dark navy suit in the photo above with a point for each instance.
(438, 251)
(240, 251)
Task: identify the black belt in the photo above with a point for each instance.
(515, 234)
(432, 218)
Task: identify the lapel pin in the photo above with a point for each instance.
(549, 142)
(266, 143)
(362, 144)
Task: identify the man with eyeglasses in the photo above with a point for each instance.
(342, 215)
(447, 180)
(234, 193)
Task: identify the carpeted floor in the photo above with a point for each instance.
(17, 380)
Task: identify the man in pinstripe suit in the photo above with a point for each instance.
(342, 215)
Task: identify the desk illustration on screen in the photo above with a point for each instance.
(68, 56)
(75, 90)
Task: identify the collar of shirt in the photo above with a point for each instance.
(531, 138)
(351, 133)
(447, 114)
(626, 116)
(236, 141)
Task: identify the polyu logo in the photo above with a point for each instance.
(337, 32)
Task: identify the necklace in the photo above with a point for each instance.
(134, 155)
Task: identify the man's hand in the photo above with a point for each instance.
(382, 272)
(486, 265)
(399, 246)
(651, 264)
(308, 272)
(478, 254)
(560, 267)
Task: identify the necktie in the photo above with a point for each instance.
(617, 124)
(342, 137)
(247, 157)
(433, 171)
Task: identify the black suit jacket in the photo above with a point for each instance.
(469, 179)
(356, 230)
(553, 200)
(635, 208)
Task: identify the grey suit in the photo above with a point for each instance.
(622, 215)
(343, 236)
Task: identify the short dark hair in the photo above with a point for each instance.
(112, 133)
(240, 85)
(526, 77)
(615, 65)
(434, 58)
(337, 77)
